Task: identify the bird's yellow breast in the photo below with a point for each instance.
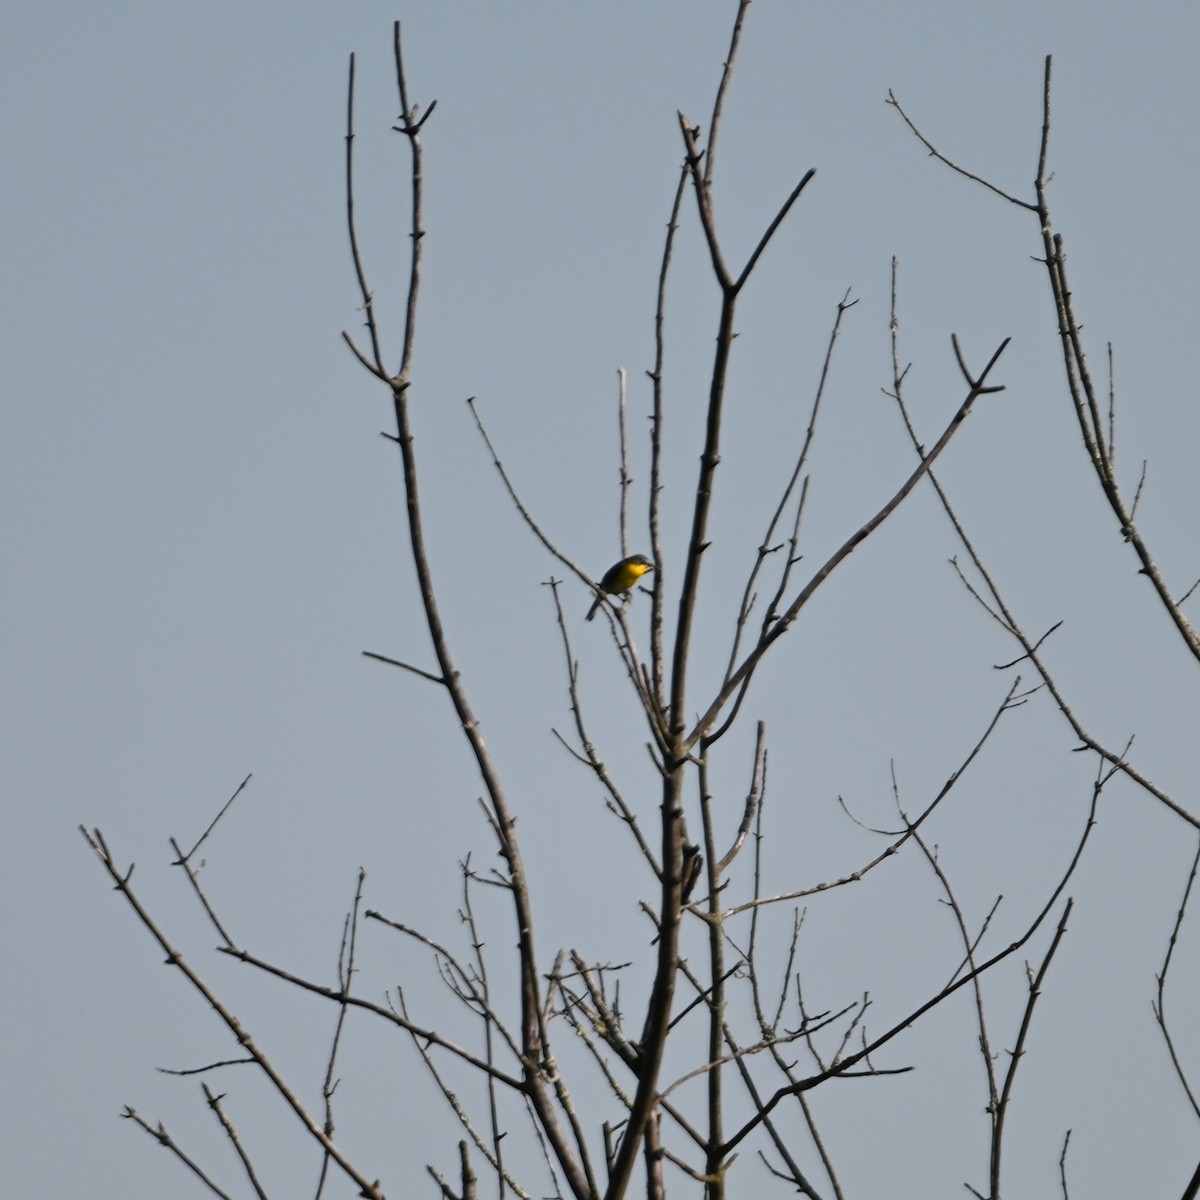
(623, 576)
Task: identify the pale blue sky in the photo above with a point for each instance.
(203, 531)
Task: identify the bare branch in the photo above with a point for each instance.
(369, 1188)
(935, 153)
(163, 1138)
(714, 127)
(752, 660)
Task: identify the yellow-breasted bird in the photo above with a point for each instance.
(620, 577)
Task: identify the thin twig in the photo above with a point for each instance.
(375, 365)
(345, 973)
(214, 1103)
(1160, 1004)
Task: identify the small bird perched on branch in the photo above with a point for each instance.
(620, 577)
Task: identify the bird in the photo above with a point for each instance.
(620, 577)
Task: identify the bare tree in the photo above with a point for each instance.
(594, 1084)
